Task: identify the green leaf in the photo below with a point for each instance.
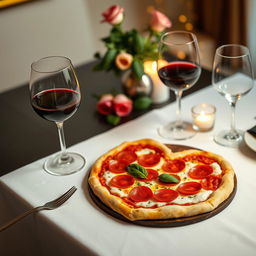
(115, 37)
(110, 45)
(108, 58)
(138, 69)
(137, 171)
(138, 42)
(142, 103)
(168, 178)
(113, 119)
(106, 39)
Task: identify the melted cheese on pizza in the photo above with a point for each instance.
(154, 185)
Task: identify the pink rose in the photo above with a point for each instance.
(105, 104)
(113, 15)
(159, 21)
(122, 105)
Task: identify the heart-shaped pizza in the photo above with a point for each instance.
(144, 179)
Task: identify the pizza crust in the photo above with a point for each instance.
(169, 211)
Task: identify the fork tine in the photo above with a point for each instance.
(65, 197)
(71, 190)
(62, 201)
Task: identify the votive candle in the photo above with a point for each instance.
(203, 117)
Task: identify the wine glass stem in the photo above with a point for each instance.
(178, 94)
(233, 126)
(64, 156)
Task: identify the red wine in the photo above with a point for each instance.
(56, 105)
(179, 75)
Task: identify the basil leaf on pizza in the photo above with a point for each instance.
(137, 171)
(168, 178)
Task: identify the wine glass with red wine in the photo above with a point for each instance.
(179, 68)
(55, 96)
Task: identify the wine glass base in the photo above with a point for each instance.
(55, 166)
(181, 132)
(228, 139)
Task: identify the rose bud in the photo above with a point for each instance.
(113, 15)
(159, 21)
(124, 60)
(105, 104)
(122, 105)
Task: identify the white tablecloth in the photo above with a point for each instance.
(80, 228)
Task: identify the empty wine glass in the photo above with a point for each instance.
(179, 68)
(55, 96)
(232, 77)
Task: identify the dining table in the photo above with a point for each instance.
(80, 226)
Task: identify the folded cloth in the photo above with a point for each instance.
(252, 131)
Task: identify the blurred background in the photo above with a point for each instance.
(39, 28)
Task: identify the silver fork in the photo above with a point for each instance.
(48, 206)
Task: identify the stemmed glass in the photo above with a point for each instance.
(55, 96)
(179, 68)
(232, 77)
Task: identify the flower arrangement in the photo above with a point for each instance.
(129, 49)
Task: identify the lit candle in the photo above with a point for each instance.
(160, 92)
(203, 117)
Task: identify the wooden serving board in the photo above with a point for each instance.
(175, 222)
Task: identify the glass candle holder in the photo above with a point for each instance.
(203, 117)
